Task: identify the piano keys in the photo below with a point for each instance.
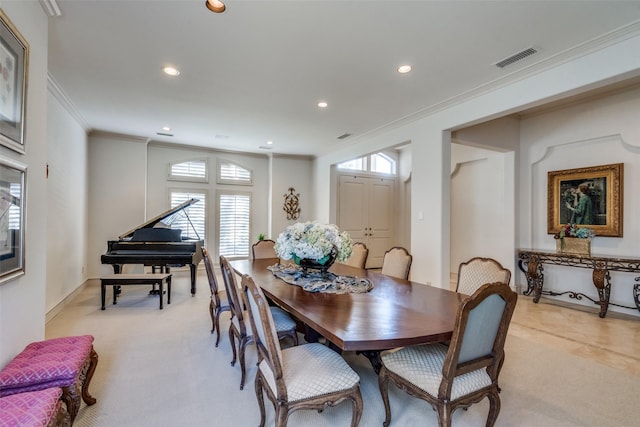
(155, 244)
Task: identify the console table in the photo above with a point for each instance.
(531, 261)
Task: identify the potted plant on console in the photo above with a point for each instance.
(575, 240)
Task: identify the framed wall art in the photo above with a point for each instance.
(14, 68)
(590, 196)
(12, 206)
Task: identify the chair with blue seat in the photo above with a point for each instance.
(358, 257)
(397, 263)
(467, 370)
(309, 376)
(239, 328)
(216, 306)
(264, 249)
(478, 271)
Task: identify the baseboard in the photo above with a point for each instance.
(580, 307)
(60, 306)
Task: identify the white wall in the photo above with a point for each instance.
(481, 206)
(66, 202)
(22, 301)
(483, 192)
(592, 133)
(117, 193)
(430, 139)
(404, 199)
(291, 172)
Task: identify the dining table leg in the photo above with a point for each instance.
(374, 358)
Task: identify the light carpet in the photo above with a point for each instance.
(161, 368)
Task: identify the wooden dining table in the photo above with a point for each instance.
(395, 313)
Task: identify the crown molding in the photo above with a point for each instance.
(58, 93)
(51, 8)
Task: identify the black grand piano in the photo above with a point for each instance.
(155, 244)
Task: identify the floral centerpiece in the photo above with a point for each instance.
(572, 230)
(580, 238)
(312, 241)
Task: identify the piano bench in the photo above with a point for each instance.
(116, 280)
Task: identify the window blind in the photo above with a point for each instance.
(233, 174)
(235, 216)
(197, 214)
(193, 170)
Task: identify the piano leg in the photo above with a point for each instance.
(154, 269)
(117, 269)
(193, 268)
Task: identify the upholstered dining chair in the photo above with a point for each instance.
(478, 271)
(264, 249)
(397, 263)
(239, 327)
(309, 376)
(358, 257)
(216, 306)
(467, 370)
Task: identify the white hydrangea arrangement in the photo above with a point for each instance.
(313, 241)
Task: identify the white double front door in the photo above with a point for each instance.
(366, 211)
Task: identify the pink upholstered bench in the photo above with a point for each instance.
(67, 362)
(42, 408)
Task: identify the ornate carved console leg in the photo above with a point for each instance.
(636, 293)
(603, 285)
(534, 275)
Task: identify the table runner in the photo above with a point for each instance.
(317, 282)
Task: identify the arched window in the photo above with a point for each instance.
(359, 164)
(381, 163)
(231, 173)
(192, 170)
(377, 163)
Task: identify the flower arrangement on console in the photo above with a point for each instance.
(313, 241)
(571, 230)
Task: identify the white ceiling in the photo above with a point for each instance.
(256, 72)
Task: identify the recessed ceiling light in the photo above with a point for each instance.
(322, 104)
(166, 128)
(269, 142)
(404, 69)
(171, 71)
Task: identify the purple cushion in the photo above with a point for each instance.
(50, 363)
(30, 409)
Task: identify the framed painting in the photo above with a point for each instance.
(12, 205)
(14, 65)
(590, 197)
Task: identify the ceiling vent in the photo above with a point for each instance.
(344, 136)
(516, 57)
(164, 134)
(265, 147)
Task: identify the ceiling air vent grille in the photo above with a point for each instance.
(516, 57)
(344, 136)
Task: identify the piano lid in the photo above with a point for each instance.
(167, 215)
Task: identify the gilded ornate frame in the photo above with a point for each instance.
(606, 182)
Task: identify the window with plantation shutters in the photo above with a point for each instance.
(192, 227)
(230, 173)
(193, 170)
(235, 215)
